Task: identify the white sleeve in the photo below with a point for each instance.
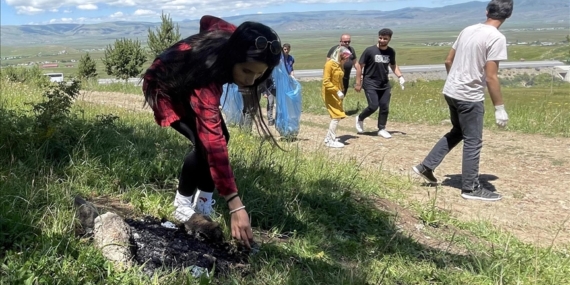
(497, 49)
(454, 46)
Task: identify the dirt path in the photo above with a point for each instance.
(531, 171)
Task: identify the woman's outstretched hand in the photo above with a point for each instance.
(241, 228)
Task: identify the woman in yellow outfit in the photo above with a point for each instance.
(332, 92)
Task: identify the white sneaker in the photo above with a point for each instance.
(204, 206)
(184, 207)
(334, 144)
(336, 140)
(183, 213)
(384, 133)
(359, 126)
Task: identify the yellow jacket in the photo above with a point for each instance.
(332, 83)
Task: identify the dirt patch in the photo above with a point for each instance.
(531, 171)
(106, 204)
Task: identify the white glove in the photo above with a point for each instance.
(501, 116)
(339, 94)
(402, 81)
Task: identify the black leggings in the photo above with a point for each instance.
(195, 172)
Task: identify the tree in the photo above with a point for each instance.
(87, 67)
(166, 35)
(124, 59)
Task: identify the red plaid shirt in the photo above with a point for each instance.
(205, 102)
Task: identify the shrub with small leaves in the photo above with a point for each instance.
(124, 59)
(28, 75)
(87, 67)
(54, 110)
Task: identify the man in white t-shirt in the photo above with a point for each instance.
(472, 64)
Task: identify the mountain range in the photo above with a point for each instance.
(527, 13)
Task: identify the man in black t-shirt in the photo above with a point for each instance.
(373, 77)
(345, 42)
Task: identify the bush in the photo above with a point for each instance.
(29, 75)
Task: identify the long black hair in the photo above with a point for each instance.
(209, 57)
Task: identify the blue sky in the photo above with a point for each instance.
(23, 12)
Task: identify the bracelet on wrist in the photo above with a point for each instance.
(237, 209)
(231, 198)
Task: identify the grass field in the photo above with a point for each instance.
(336, 235)
(422, 102)
(310, 48)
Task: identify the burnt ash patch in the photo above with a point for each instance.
(158, 247)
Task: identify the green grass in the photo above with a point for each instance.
(310, 48)
(337, 235)
(539, 109)
(542, 109)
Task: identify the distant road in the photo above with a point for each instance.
(309, 73)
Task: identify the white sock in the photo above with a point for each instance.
(202, 194)
(331, 133)
(178, 195)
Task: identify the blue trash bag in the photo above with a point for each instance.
(232, 104)
(288, 100)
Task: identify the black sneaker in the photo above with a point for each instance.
(481, 194)
(425, 172)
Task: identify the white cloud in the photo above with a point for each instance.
(87, 7)
(62, 20)
(141, 12)
(28, 10)
(117, 15)
(176, 8)
(145, 10)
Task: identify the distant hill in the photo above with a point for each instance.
(527, 13)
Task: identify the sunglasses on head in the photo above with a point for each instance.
(261, 42)
(346, 42)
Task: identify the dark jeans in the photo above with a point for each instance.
(377, 99)
(467, 120)
(195, 170)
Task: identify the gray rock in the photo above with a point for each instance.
(86, 213)
(112, 235)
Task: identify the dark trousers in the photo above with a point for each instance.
(467, 121)
(377, 99)
(195, 170)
